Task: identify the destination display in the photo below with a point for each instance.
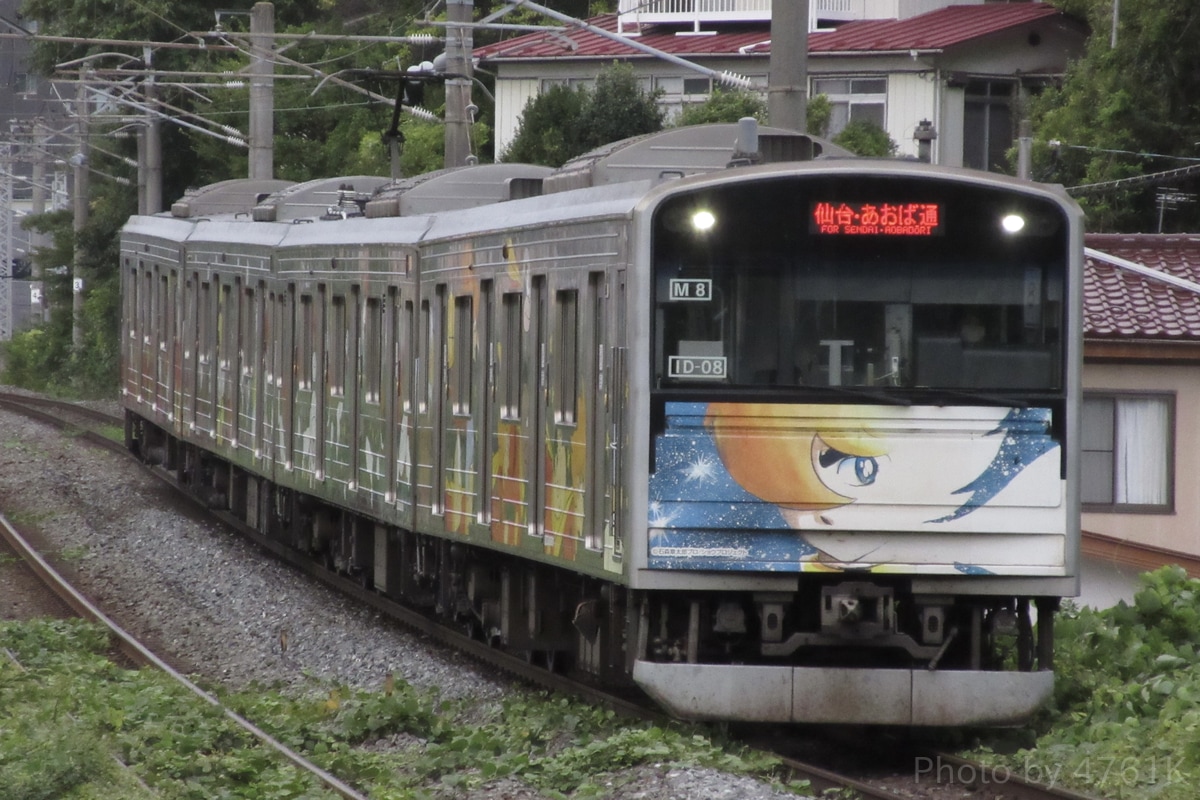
(876, 219)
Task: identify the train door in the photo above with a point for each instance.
(256, 349)
(206, 360)
(599, 407)
(245, 370)
(166, 349)
(144, 341)
(228, 332)
(191, 355)
(340, 431)
(429, 480)
(458, 443)
(372, 466)
(278, 380)
(508, 460)
(408, 355)
(486, 405)
(618, 445)
(534, 466)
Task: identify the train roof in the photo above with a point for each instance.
(689, 150)
(323, 198)
(227, 197)
(458, 188)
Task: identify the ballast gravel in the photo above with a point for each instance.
(217, 606)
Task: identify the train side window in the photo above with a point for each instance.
(248, 319)
(226, 326)
(567, 373)
(336, 358)
(134, 301)
(461, 348)
(372, 346)
(304, 343)
(425, 390)
(510, 357)
(405, 356)
(145, 309)
(203, 356)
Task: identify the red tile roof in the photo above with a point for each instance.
(1122, 303)
(946, 27)
(937, 30)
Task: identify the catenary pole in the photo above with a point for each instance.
(459, 44)
(80, 196)
(262, 101)
(787, 92)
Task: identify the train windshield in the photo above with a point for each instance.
(860, 282)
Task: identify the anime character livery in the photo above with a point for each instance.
(861, 411)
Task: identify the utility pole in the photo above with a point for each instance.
(262, 98)
(150, 165)
(7, 165)
(40, 140)
(787, 93)
(459, 45)
(80, 192)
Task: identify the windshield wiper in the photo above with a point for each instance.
(994, 399)
(873, 394)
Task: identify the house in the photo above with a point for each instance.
(33, 175)
(1140, 490)
(958, 72)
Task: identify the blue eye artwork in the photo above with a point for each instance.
(852, 470)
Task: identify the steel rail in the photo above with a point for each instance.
(1013, 786)
(140, 654)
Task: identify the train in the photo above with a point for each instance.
(772, 434)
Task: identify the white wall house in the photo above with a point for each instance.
(963, 68)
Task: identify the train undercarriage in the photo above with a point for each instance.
(844, 648)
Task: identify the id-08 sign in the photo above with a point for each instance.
(710, 368)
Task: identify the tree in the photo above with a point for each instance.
(725, 105)
(618, 108)
(818, 113)
(1118, 105)
(548, 131)
(866, 139)
(562, 123)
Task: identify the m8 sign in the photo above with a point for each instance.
(876, 219)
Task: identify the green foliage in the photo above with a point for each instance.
(71, 710)
(618, 108)
(1127, 697)
(1119, 104)
(866, 139)
(725, 105)
(818, 113)
(562, 123)
(549, 131)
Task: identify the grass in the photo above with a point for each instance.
(69, 712)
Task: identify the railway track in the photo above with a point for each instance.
(139, 655)
(960, 778)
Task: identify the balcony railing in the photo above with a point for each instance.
(700, 12)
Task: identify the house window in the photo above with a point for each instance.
(25, 83)
(588, 84)
(987, 124)
(684, 86)
(1128, 452)
(852, 100)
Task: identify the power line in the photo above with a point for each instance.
(1135, 182)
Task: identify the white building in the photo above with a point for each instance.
(965, 69)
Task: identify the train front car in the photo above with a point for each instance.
(858, 419)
